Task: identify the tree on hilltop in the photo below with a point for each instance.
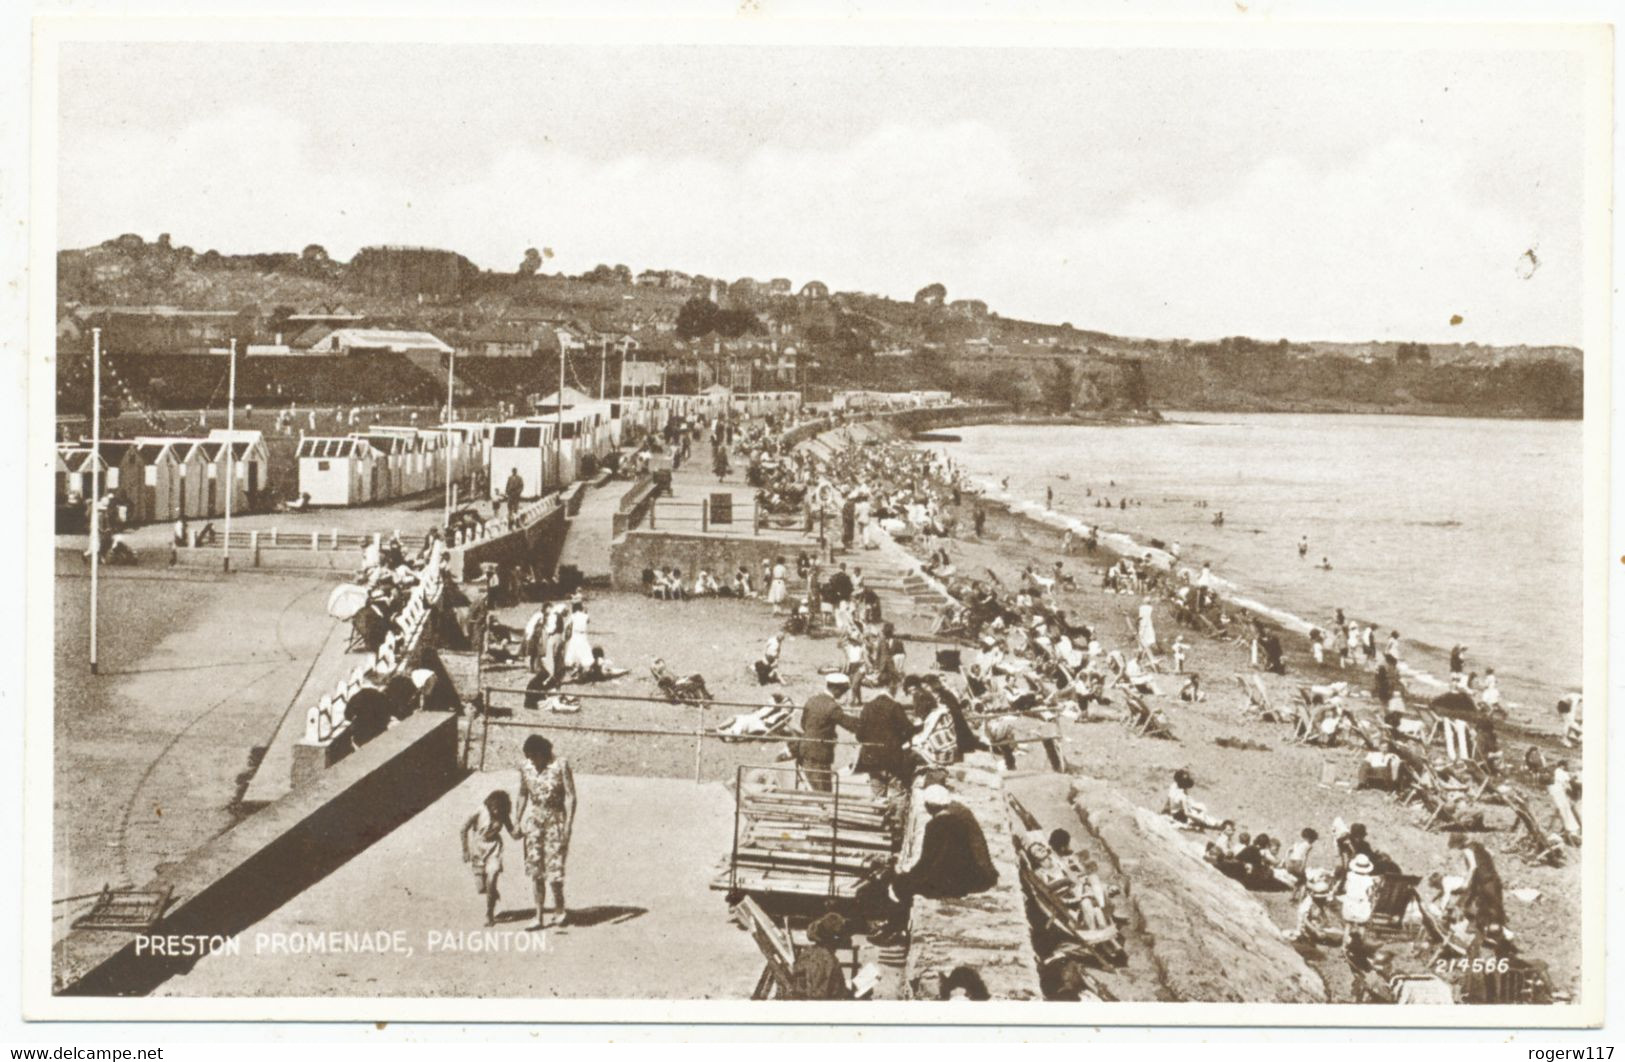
(931, 295)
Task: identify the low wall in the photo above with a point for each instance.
(988, 931)
(1211, 940)
(688, 553)
(538, 543)
(249, 871)
(635, 503)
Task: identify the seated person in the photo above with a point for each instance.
(600, 670)
(953, 859)
(1181, 808)
(1318, 920)
(705, 585)
(1192, 690)
(767, 667)
(766, 720)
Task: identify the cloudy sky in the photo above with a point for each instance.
(1201, 193)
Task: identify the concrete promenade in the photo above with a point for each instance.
(639, 875)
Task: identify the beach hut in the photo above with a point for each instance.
(331, 470)
(252, 458)
(529, 448)
(161, 481)
(122, 474)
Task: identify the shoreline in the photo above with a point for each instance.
(1522, 694)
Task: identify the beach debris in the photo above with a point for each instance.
(1527, 895)
(1240, 743)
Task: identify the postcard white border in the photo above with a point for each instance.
(1591, 44)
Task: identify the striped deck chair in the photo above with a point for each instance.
(1390, 901)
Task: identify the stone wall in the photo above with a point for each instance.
(537, 543)
(637, 550)
(988, 931)
(244, 874)
(1212, 941)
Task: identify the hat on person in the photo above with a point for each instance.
(1319, 882)
(836, 678)
(937, 796)
(827, 930)
(1361, 864)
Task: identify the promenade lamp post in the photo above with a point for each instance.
(451, 385)
(95, 483)
(231, 455)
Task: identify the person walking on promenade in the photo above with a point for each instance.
(547, 812)
(513, 490)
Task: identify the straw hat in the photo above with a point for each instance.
(937, 796)
(1361, 865)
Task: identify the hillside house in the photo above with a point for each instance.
(378, 340)
(502, 340)
(779, 287)
(814, 289)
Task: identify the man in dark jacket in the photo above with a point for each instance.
(953, 853)
(815, 751)
(884, 729)
(838, 587)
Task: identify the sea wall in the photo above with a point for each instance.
(722, 554)
(536, 542)
(238, 878)
(1211, 940)
(987, 931)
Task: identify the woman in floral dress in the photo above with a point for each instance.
(547, 812)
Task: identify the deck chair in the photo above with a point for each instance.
(1537, 845)
(689, 689)
(1259, 705)
(777, 978)
(1390, 901)
(1144, 720)
(767, 721)
(1146, 655)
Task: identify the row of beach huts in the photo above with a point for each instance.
(156, 477)
(165, 478)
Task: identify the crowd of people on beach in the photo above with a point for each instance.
(1014, 665)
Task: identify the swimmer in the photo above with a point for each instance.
(1325, 565)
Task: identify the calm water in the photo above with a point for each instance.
(1448, 530)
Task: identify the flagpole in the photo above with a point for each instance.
(603, 367)
(231, 455)
(96, 484)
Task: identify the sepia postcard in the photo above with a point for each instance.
(766, 519)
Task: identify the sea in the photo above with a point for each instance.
(1448, 530)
